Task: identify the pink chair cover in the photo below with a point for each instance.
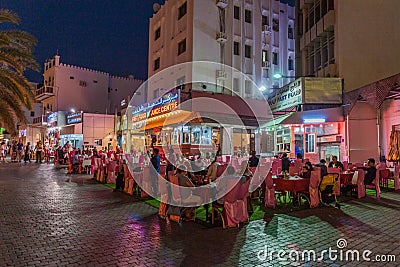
(360, 183)
(313, 188)
(306, 160)
(269, 191)
(375, 184)
(396, 177)
(381, 166)
(111, 171)
(228, 158)
(276, 166)
(221, 169)
(235, 203)
(299, 165)
(235, 163)
(223, 158)
(345, 165)
(163, 169)
(141, 159)
(336, 170)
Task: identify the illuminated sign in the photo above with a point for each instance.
(288, 96)
(314, 120)
(165, 104)
(52, 119)
(74, 117)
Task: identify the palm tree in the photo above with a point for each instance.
(15, 57)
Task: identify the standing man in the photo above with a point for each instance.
(20, 147)
(39, 149)
(27, 152)
(156, 162)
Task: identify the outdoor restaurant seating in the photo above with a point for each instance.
(234, 210)
(276, 166)
(177, 200)
(375, 184)
(360, 183)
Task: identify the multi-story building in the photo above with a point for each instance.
(255, 38)
(70, 94)
(356, 40)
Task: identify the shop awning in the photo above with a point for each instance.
(180, 117)
(309, 117)
(276, 121)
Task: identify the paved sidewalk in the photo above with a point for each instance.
(49, 218)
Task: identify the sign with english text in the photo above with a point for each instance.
(286, 97)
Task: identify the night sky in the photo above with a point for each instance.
(109, 36)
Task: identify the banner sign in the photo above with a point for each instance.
(165, 104)
(286, 97)
(52, 119)
(75, 117)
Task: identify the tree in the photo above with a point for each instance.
(16, 92)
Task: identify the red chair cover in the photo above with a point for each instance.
(360, 183)
(313, 188)
(396, 177)
(269, 191)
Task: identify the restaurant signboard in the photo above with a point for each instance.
(286, 97)
(163, 105)
(74, 117)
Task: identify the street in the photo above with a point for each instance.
(49, 218)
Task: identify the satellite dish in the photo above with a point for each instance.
(156, 7)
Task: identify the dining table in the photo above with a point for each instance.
(346, 178)
(292, 184)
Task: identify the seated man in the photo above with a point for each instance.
(186, 195)
(370, 172)
(335, 163)
(322, 165)
(253, 160)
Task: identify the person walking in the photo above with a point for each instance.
(20, 148)
(27, 156)
(3, 151)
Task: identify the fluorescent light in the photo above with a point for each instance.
(314, 120)
(262, 88)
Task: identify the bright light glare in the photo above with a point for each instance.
(262, 88)
(277, 76)
(72, 110)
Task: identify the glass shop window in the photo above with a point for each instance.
(207, 135)
(175, 136)
(186, 135)
(196, 135)
(310, 143)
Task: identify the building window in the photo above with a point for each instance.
(331, 5)
(32, 113)
(265, 21)
(247, 16)
(290, 32)
(156, 64)
(264, 56)
(156, 93)
(247, 51)
(247, 87)
(71, 77)
(182, 10)
(290, 63)
(94, 81)
(236, 85)
(236, 12)
(181, 47)
(310, 143)
(82, 83)
(275, 58)
(275, 25)
(157, 33)
(236, 48)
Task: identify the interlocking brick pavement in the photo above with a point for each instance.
(49, 218)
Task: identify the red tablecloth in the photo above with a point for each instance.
(293, 184)
(345, 178)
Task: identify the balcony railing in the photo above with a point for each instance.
(44, 92)
(41, 120)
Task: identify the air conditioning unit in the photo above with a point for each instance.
(266, 64)
(221, 75)
(221, 37)
(222, 3)
(266, 28)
